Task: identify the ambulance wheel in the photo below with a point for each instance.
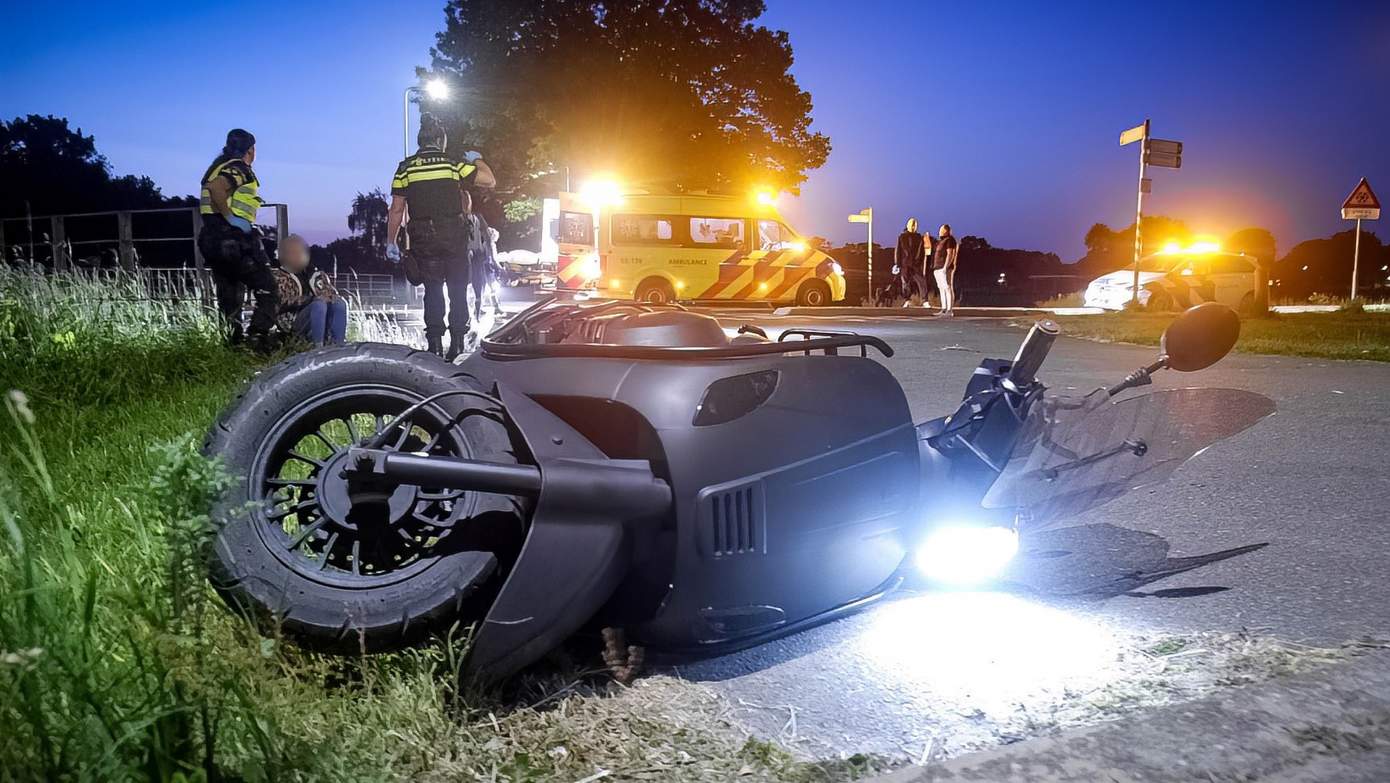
(1159, 302)
(298, 552)
(813, 293)
(655, 290)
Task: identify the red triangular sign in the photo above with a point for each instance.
(1362, 197)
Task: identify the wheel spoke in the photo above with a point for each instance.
(289, 482)
(351, 428)
(328, 550)
(318, 433)
(295, 509)
(405, 427)
(292, 454)
(434, 441)
(356, 557)
(306, 532)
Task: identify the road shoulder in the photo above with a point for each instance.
(1333, 724)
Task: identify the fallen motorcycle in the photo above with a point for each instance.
(637, 467)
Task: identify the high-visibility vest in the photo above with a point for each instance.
(244, 200)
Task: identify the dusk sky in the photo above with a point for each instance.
(1000, 118)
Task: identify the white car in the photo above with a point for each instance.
(1178, 279)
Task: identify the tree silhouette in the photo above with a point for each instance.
(367, 219)
(689, 93)
(1258, 242)
(49, 168)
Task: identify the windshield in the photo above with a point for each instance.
(1075, 453)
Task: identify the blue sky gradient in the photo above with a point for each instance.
(999, 117)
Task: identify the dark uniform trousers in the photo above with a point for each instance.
(440, 250)
(238, 262)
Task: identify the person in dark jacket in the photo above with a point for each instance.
(228, 240)
(911, 258)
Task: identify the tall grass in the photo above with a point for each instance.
(117, 662)
(87, 340)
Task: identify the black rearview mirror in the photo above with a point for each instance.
(1199, 337)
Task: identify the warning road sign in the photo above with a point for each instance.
(1362, 204)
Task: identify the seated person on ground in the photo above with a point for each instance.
(312, 309)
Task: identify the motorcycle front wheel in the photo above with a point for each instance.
(294, 551)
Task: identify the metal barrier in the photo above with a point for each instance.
(26, 239)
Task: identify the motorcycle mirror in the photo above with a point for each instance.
(1200, 337)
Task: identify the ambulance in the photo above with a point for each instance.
(662, 248)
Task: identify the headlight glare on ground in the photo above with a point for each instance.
(966, 555)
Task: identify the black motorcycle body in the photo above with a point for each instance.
(701, 491)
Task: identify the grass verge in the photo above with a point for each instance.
(1340, 335)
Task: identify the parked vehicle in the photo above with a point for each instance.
(1177, 278)
(662, 248)
(629, 466)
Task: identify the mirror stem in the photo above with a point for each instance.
(1140, 377)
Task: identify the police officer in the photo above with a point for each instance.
(228, 242)
(427, 194)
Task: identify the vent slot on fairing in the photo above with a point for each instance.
(733, 520)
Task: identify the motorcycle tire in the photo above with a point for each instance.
(343, 582)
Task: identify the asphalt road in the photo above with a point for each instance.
(1311, 481)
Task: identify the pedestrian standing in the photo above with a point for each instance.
(910, 258)
(229, 200)
(428, 196)
(944, 257)
(479, 257)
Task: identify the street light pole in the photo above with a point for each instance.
(405, 121)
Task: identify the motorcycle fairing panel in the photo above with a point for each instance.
(766, 532)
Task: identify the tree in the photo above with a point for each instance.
(1323, 266)
(49, 168)
(685, 93)
(368, 218)
(1108, 250)
(1257, 242)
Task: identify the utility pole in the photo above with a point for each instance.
(1152, 152)
(1139, 213)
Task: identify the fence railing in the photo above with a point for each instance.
(112, 239)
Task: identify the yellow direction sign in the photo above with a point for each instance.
(1133, 134)
(1362, 204)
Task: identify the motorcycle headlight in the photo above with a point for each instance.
(966, 555)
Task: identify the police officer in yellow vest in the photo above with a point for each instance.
(427, 194)
(230, 246)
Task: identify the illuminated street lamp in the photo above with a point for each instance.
(435, 89)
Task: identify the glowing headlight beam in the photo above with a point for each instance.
(966, 555)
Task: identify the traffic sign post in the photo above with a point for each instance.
(1361, 205)
(1163, 153)
(866, 215)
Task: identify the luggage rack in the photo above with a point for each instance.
(817, 335)
(830, 343)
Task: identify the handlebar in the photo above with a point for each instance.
(1032, 353)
